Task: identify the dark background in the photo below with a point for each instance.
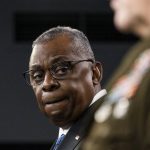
(22, 126)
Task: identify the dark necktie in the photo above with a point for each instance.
(58, 142)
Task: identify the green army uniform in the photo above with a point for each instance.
(122, 122)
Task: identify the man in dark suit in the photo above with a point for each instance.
(122, 122)
(66, 81)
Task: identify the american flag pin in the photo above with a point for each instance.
(77, 137)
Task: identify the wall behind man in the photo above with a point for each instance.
(21, 120)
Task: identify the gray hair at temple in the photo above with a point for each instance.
(81, 45)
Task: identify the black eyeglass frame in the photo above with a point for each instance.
(70, 66)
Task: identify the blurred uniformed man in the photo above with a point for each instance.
(122, 122)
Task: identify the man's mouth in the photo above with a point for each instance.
(56, 107)
(48, 102)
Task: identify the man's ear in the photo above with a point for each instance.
(97, 73)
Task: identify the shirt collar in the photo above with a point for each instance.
(98, 96)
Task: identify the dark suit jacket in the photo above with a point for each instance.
(132, 131)
(79, 129)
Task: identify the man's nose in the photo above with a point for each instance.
(49, 83)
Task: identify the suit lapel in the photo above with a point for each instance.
(79, 130)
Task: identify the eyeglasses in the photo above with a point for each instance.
(60, 70)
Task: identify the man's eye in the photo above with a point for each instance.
(61, 70)
(37, 76)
